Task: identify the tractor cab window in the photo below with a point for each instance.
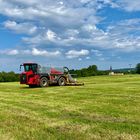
(27, 68)
(30, 67)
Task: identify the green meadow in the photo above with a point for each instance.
(105, 108)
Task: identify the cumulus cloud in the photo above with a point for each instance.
(37, 52)
(51, 35)
(13, 52)
(120, 36)
(69, 25)
(31, 52)
(26, 28)
(63, 13)
(129, 5)
(74, 54)
(45, 37)
(9, 52)
(123, 35)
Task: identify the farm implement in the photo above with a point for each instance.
(35, 75)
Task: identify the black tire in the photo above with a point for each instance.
(62, 81)
(44, 82)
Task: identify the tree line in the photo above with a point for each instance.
(90, 71)
(9, 76)
(93, 71)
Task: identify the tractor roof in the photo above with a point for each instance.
(29, 63)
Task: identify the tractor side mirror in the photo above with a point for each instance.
(20, 67)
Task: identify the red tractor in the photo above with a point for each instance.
(35, 75)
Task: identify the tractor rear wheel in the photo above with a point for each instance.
(62, 81)
(44, 82)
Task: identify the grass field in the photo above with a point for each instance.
(106, 108)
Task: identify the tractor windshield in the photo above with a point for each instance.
(29, 67)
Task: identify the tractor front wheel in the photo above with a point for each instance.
(32, 86)
(44, 82)
(62, 81)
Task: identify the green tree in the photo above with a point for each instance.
(9, 77)
(138, 68)
(92, 70)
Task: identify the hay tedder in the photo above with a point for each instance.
(36, 75)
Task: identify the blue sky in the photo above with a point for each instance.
(73, 33)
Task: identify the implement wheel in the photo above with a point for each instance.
(62, 81)
(44, 82)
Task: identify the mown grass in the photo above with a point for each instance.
(105, 108)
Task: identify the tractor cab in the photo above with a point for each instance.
(30, 67)
(29, 72)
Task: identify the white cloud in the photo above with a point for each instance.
(37, 52)
(69, 23)
(26, 28)
(74, 54)
(97, 52)
(43, 38)
(33, 52)
(123, 35)
(118, 36)
(89, 28)
(129, 5)
(56, 23)
(51, 35)
(61, 2)
(9, 52)
(59, 12)
(12, 52)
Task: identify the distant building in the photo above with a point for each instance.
(114, 74)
